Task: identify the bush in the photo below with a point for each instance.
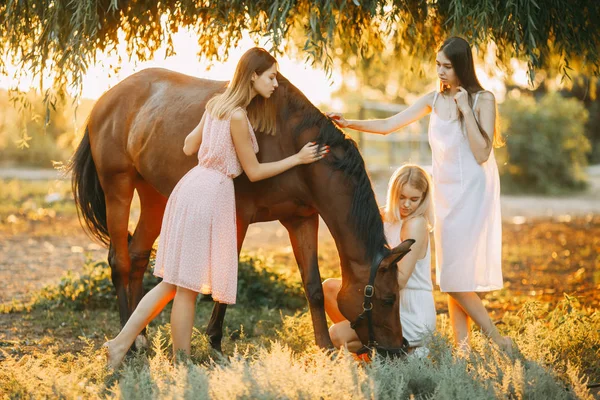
(91, 290)
(546, 145)
(259, 285)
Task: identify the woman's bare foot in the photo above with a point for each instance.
(463, 348)
(507, 345)
(114, 355)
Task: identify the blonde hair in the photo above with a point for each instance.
(418, 178)
(262, 114)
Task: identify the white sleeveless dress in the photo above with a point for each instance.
(417, 307)
(468, 225)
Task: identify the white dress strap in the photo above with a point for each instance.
(477, 98)
(435, 96)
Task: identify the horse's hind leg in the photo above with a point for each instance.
(118, 191)
(214, 330)
(140, 247)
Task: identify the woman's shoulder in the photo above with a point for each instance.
(430, 97)
(485, 101)
(238, 115)
(486, 95)
(415, 225)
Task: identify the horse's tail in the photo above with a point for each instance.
(89, 196)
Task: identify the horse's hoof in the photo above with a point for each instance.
(141, 342)
(217, 347)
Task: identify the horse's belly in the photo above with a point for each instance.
(282, 211)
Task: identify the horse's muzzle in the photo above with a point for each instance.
(385, 352)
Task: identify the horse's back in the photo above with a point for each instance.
(140, 124)
(131, 93)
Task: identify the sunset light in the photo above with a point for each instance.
(99, 78)
(410, 211)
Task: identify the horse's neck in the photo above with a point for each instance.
(352, 250)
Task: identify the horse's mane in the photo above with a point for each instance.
(365, 218)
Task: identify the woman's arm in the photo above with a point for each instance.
(257, 171)
(385, 126)
(487, 120)
(194, 139)
(413, 228)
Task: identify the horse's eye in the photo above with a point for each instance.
(389, 301)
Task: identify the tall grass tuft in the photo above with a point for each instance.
(270, 353)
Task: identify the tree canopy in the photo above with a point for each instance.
(65, 36)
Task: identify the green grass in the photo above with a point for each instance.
(269, 351)
(49, 344)
(274, 370)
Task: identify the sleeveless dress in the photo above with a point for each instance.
(417, 307)
(466, 198)
(197, 248)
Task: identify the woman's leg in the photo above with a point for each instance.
(459, 320)
(473, 307)
(182, 320)
(149, 307)
(342, 334)
(331, 288)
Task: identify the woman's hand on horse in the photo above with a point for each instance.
(339, 119)
(311, 153)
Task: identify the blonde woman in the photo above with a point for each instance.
(468, 228)
(197, 252)
(407, 215)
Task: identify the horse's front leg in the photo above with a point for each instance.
(214, 330)
(304, 237)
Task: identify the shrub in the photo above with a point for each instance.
(92, 289)
(546, 145)
(297, 332)
(259, 286)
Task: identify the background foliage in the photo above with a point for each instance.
(546, 145)
(24, 123)
(64, 36)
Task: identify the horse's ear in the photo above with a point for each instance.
(397, 253)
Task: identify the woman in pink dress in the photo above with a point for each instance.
(197, 250)
(468, 236)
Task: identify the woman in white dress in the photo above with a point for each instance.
(468, 230)
(407, 215)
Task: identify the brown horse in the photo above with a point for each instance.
(133, 141)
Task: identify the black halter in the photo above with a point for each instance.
(373, 346)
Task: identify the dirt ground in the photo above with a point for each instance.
(37, 253)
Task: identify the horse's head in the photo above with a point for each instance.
(373, 308)
(339, 188)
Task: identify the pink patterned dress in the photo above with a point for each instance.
(197, 248)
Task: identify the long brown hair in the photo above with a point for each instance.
(262, 112)
(458, 51)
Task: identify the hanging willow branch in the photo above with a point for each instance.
(64, 36)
